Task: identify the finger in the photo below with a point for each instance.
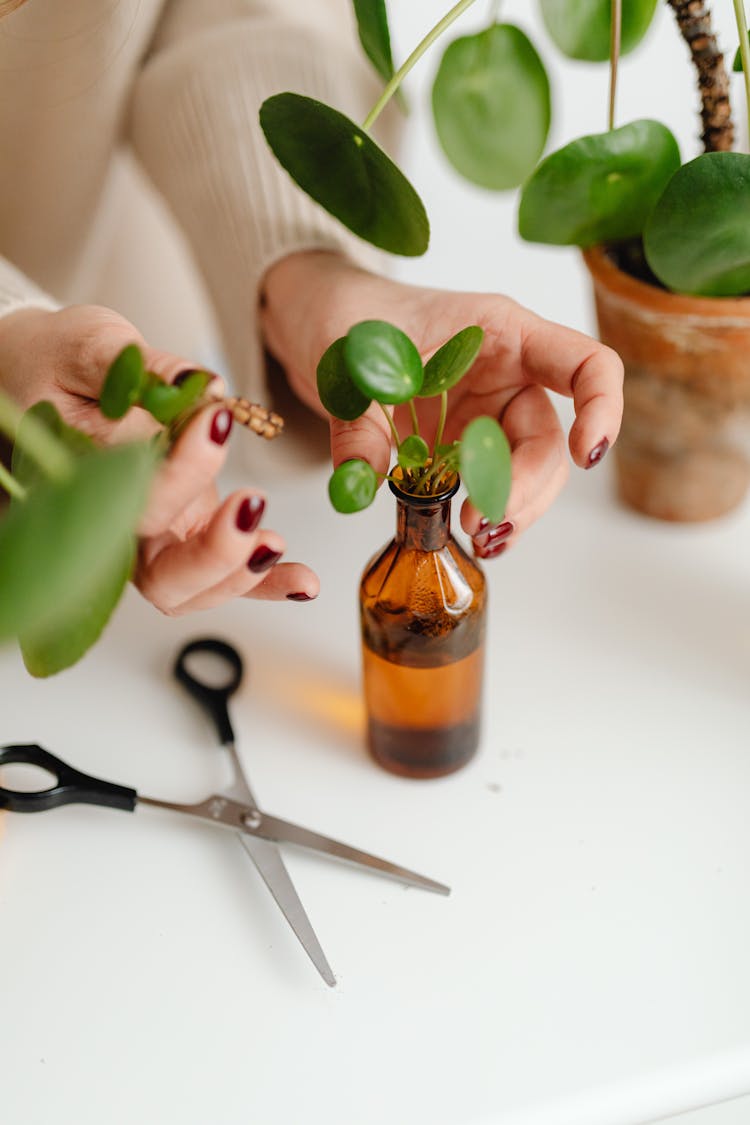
(574, 365)
(293, 582)
(231, 552)
(538, 470)
(191, 466)
(367, 437)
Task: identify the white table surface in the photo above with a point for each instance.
(591, 964)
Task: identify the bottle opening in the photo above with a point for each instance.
(402, 488)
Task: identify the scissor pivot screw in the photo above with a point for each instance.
(251, 819)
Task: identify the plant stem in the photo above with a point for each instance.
(441, 423)
(10, 484)
(739, 12)
(694, 21)
(49, 454)
(494, 10)
(392, 424)
(413, 58)
(414, 419)
(614, 56)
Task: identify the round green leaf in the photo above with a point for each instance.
(352, 486)
(372, 25)
(581, 28)
(485, 467)
(383, 361)
(697, 239)
(166, 401)
(66, 536)
(491, 105)
(450, 363)
(599, 188)
(338, 393)
(342, 168)
(123, 384)
(413, 452)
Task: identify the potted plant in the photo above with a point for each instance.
(667, 243)
(422, 598)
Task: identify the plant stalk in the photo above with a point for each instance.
(390, 89)
(739, 12)
(694, 21)
(414, 419)
(614, 57)
(49, 454)
(441, 423)
(392, 424)
(10, 484)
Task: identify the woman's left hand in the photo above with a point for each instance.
(312, 298)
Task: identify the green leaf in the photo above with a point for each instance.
(581, 28)
(491, 105)
(413, 452)
(124, 382)
(166, 401)
(372, 24)
(24, 467)
(338, 393)
(737, 64)
(450, 363)
(450, 453)
(697, 239)
(485, 467)
(383, 361)
(342, 168)
(352, 486)
(48, 649)
(599, 188)
(68, 535)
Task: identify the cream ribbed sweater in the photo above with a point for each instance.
(179, 83)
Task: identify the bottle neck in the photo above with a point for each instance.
(423, 527)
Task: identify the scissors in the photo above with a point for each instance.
(235, 808)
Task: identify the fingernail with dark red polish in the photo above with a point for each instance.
(597, 453)
(490, 552)
(180, 379)
(221, 426)
(301, 597)
(262, 559)
(483, 524)
(249, 513)
(496, 534)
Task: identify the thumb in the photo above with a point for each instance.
(367, 437)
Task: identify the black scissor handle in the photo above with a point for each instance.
(214, 700)
(71, 786)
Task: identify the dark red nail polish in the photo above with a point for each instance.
(483, 523)
(263, 558)
(180, 379)
(496, 534)
(301, 597)
(249, 513)
(597, 453)
(221, 426)
(490, 552)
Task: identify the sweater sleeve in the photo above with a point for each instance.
(194, 128)
(18, 292)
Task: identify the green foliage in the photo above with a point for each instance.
(450, 363)
(599, 188)
(352, 486)
(485, 467)
(491, 105)
(413, 452)
(345, 171)
(383, 361)
(737, 64)
(581, 28)
(697, 239)
(167, 401)
(338, 393)
(372, 24)
(25, 468)
(124, 383)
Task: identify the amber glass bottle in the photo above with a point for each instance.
(422, 604)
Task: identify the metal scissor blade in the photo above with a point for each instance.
(267, 858)
(272, 828)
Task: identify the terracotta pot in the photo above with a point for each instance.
(684, 449)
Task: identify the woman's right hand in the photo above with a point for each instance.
(196, 551)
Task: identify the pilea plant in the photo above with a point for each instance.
(491, 107)
(377, 362)
(67, 544)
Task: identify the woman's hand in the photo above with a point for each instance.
(195, 551)
(312, 298)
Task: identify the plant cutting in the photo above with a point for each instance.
(422, 598)
(68, 541)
